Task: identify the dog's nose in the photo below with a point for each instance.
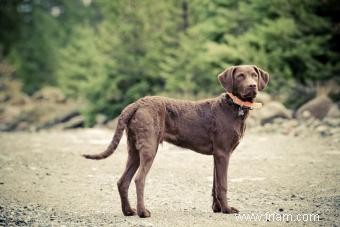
(252, 86)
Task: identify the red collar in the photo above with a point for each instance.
(251, 105)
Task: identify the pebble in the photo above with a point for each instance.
(303, 127)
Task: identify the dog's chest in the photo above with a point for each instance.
(229, 131)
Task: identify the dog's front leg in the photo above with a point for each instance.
(221, 163)
(215, 205)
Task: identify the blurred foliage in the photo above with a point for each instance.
(110, 53)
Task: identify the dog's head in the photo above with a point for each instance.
(244, 81)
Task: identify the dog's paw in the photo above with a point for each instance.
(216, 207)
(129, 212)
(144, 213)
(229, 210)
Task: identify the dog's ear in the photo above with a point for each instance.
(263, 78)
(226, 78)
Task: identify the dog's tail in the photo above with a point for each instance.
(124, 118)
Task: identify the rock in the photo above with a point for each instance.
(271, 111)
(306, 114)
(263, 98)
(251, 122)
(36, 114)
(323, 130)
(75, 122)
(9, 113)
(334, 112)
(65, 117)
(22, 126)
(101, 119)
(317, 107)
(313, 122)
(49, 94)
(19, 100)
(332, 122)
(112, 124)
(267, 127)
(289, 125)
(335, 131)
(278, 121)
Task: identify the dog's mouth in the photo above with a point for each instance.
(249, 96)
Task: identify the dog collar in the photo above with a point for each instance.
(242, 104)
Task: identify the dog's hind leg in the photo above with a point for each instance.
(125, 180)
(147, 145)
(146, 160)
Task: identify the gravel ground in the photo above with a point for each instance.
(45, 182)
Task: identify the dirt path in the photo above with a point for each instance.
(44, 181)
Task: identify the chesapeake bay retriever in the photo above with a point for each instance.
(211, 127)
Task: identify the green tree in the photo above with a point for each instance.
(34, 54)
(110, 53)
(130, 47)
(287, 38)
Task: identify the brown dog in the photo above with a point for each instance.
(212, 127)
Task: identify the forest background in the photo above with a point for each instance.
(110, 53)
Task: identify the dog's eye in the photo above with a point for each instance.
(254, 75)
(241, 76)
